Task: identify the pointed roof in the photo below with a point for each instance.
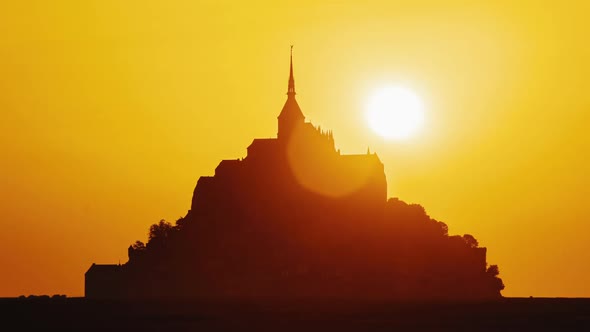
(291, 88)
(291, 109)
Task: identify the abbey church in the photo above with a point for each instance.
(296, 219)
(302, 160)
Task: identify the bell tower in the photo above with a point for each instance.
(291, 115)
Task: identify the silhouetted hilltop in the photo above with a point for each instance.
(296, 219)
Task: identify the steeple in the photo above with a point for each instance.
(291, 116)
(291, 89)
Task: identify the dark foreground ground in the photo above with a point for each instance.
(78, 314)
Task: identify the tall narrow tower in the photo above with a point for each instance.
(291, 115)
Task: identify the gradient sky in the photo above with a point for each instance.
(111, 110)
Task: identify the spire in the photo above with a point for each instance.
(291, 116)
(291, 90)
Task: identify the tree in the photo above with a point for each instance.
(159, 233)
(138, 246)
(471, 241)
(493, 270)
(136, 250)
(444, 228)
(180, 222)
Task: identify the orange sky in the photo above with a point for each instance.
(111, 110)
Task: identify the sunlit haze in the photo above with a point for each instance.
(111, 111)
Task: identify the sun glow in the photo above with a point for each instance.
(394, 112)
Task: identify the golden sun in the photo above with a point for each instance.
(395, 112)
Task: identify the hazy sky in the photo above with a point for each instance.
(111, 110)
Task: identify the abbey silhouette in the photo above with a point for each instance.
(297, 219)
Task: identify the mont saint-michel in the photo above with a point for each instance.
(297, 219)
